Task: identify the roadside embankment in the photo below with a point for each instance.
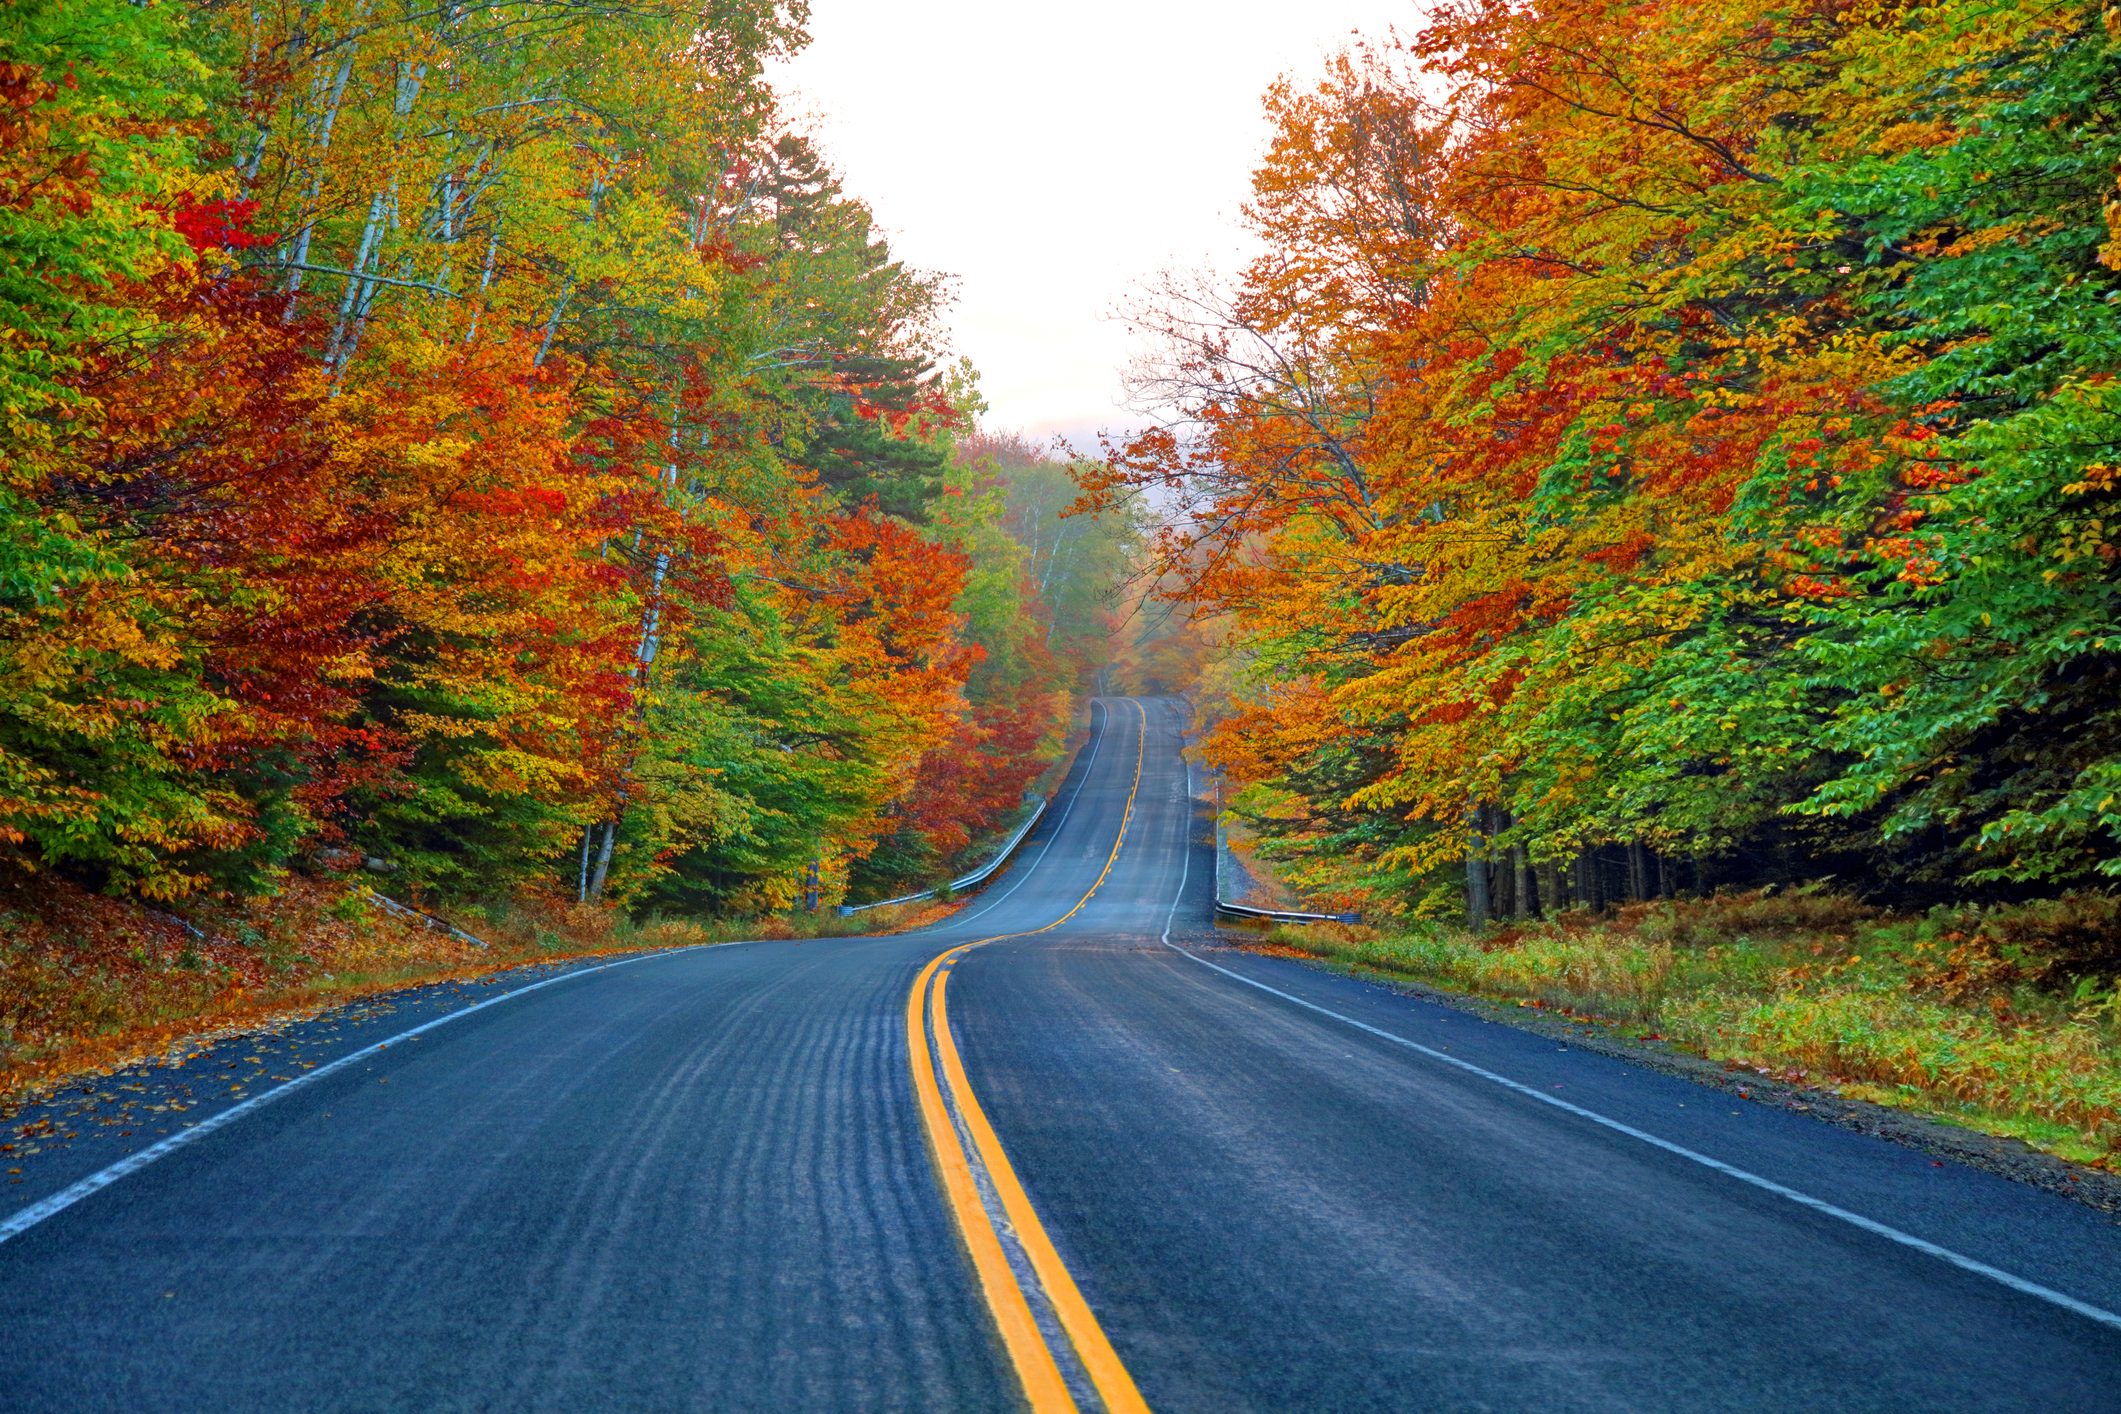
(2003, 1019)
(88, 983)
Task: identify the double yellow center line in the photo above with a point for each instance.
(937, 1070)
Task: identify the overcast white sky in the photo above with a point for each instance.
(1053, 156)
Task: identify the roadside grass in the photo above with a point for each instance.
(89, 983)
(2003, 1019)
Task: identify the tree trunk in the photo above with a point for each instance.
(552, 325)
(493, 246)
(298, 253)
(1478, 910)
(603, 870)
(559, 307)
(247, 167)
(1501, 899)
(1521, 868)
(382, 213)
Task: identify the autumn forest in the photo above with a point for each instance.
(482, 444)
(1663, 447)
(482, 453)
(615, 794)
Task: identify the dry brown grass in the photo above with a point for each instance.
(2007, 1019)
(88, 983)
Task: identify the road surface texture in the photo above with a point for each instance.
(1109, 1162)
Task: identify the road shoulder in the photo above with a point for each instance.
(2007, 1158)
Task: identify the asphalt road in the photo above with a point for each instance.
(709, 1180)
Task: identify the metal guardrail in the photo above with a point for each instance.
(1283, 915)
(967, 883)
(1245, 910)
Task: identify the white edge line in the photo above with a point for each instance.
(18, 1223)
(1185, 849)
(1097, 744)
(23, 1220)
(1818, 1205)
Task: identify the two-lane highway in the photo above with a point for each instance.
(1065, 1149)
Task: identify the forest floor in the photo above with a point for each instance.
(90, 983)
(2005, 1020)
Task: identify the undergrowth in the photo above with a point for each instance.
(2005, 1018)
(89, 982)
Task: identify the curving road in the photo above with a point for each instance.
(1098, 1160)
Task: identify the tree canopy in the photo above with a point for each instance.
(1659, 439)
(485, 441)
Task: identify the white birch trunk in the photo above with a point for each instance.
(382, 212)
(603, 871)
(298, 254)
(478, 308)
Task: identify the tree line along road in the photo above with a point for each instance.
(1066, 1150)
